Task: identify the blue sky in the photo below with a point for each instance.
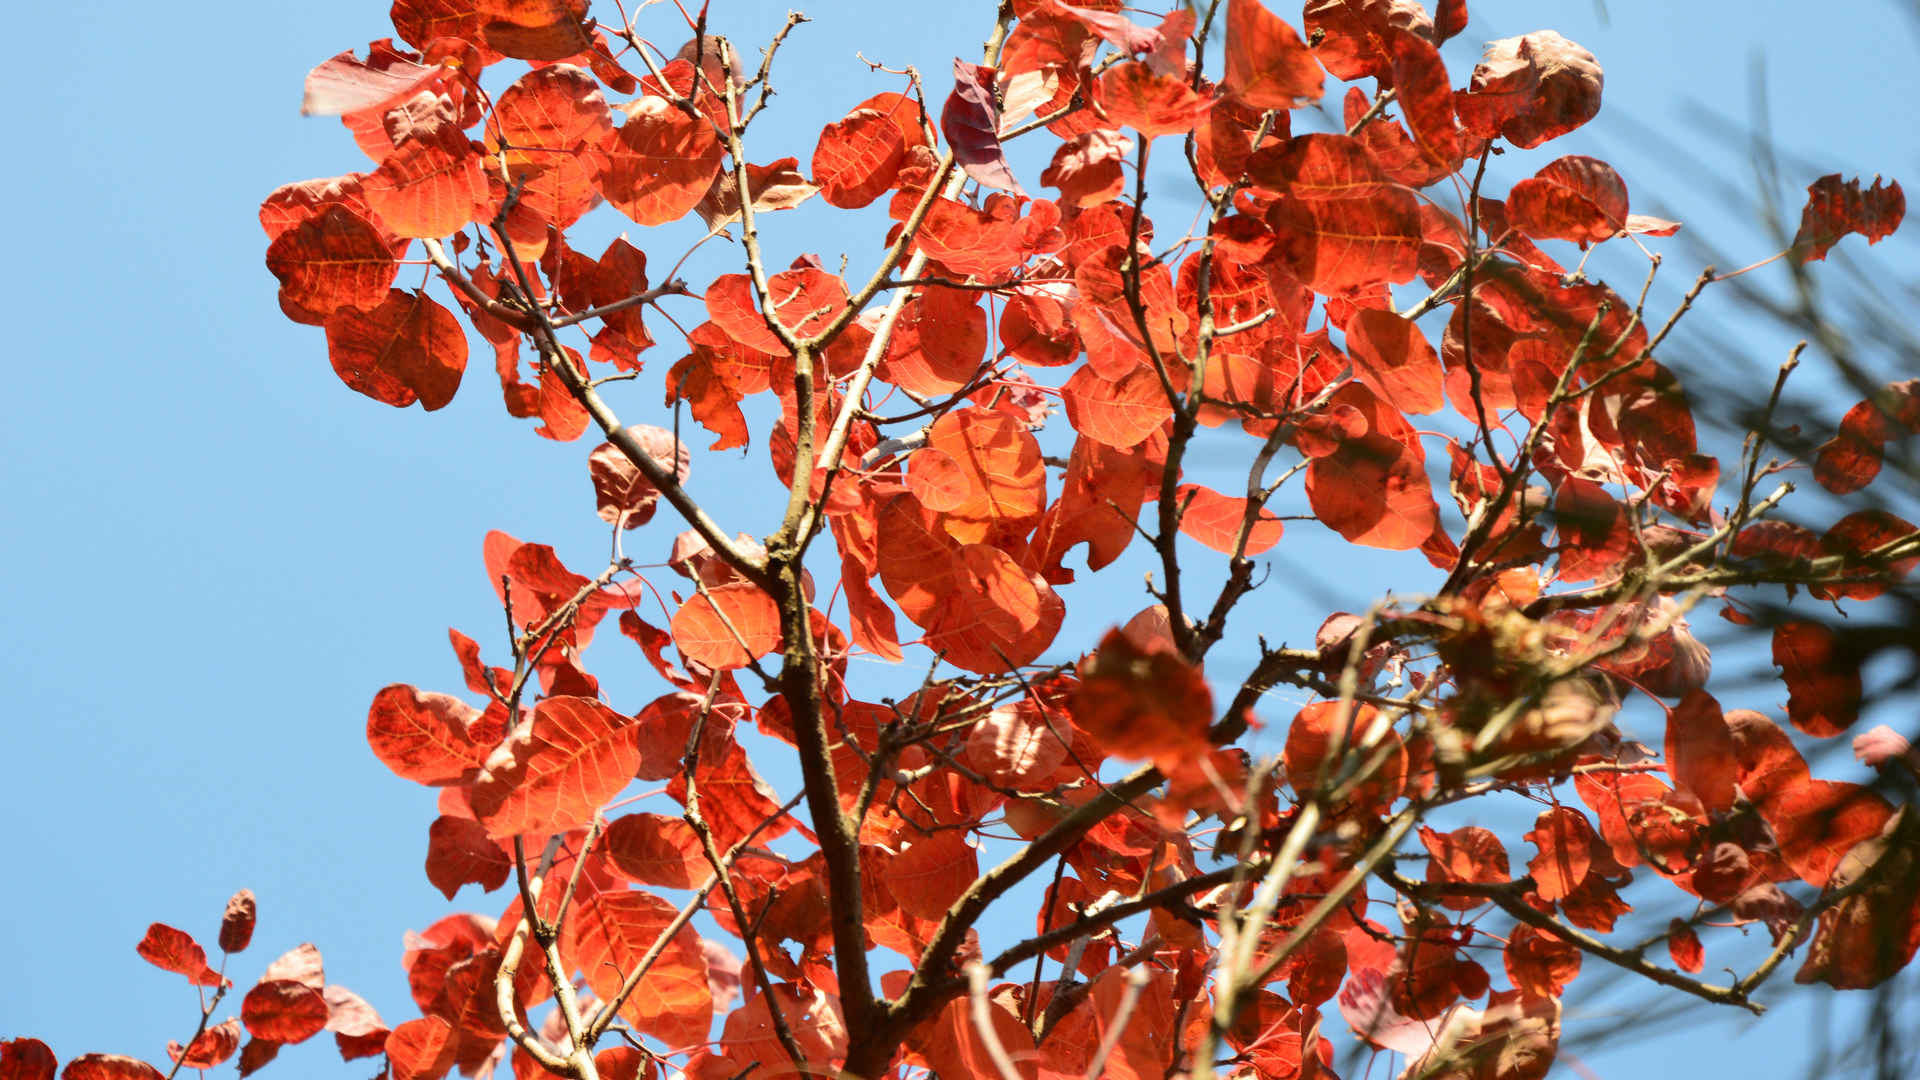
(219, 553)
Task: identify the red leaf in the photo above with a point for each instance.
(1352, 35)
(108, 1067)
(625, 496)
(300, 964)
(1575, 198)
(236, 923)
(1133, 95)
(1373, 491)
(535, 29)
(1868, 937)
(1333, 245)
(1700, 751)
(1684, 946)
(1565, 839)
(1013, 746)
(971, 122)
(806, 299)
(1851, 459)
(552, 123)
(654, 849)
(26, 1059)
(929, 877)
(1834, 210)
(1538, 963)
(175, 950)
(859, 157)
(1531, 89)
(938, 342)
(1469, 854)
(1136, 703)
(208, 1049)
(1818, 821)
(1394, 357)
(609, 935)
(1426, 99)
(460, 851)
(1121, 413)
(1087, 168)
(575, 755)
(1268, 66)
(432, 184)
(1215, 520)
(1001, 459)
(423, 737)
(1099, 498)
(1318, 166)
(331, 261)
(1855, 537)
(729, 626)
(1823, 686)
(421, 1049)
(284, 1011)
(660, 163)
(407, 349)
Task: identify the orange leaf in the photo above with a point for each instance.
(1371, 491)
(553, 123)
(1394, 357)
(1268, 66)
(1000, 457)
(557, 770)
(1565, 839)
(1215, 519)
(423, 736)
(1469, 854)
(1099, 499)
(859, 156)
(1538, 963)
(659, 163)
(711, 628)
(420, 1049)
(1132, 95)
(611, 932)
(432, 184)
(1333, 245)
(1318, 166)
(1816, 823)
(1123, 412)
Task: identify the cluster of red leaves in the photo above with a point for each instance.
(1280, 318)
(291, 1003)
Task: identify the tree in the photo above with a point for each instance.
(1198, 904)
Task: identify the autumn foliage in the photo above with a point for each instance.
(1057, 857)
